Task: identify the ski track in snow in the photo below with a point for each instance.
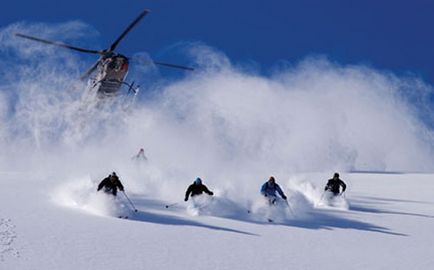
(7, 238)
(170, 237)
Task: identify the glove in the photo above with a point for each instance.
(211, 193)
(284, 197)
(186, 199)
(265, 195)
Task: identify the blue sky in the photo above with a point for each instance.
(391, 35)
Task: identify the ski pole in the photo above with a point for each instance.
(134, 208)
(290, 208)
(173, 204)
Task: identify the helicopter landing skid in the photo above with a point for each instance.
(110, 88)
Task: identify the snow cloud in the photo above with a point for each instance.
(229, 126)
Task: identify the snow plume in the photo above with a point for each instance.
(46, 112)
(231, 127)
(80, 193)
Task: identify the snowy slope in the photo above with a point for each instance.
(233, 128)
(388, 226)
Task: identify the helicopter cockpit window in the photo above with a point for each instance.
(111, 64)
(115, 64)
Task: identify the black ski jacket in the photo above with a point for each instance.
(197, 190)
(333, 186)
(111, 185)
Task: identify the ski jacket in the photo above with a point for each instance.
(268, 189)
(111, 185)
(195, 189)
(333, 185)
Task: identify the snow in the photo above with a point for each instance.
(233, 129)
(388, 225)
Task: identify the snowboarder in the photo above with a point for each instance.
(269, 189)
(197, 188)
(334, 184)
(140, 155)
(111, 184)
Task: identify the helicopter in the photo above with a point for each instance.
(111, 67)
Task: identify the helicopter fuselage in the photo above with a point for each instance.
(111, 68)
(110, 75)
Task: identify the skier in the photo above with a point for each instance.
(334, 184)
(111, 184)
(269, 190)
(197, 188)
(140, 155)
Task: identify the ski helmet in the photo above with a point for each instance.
(336, 175)
(198, 181)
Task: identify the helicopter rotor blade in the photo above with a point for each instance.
(89, 71)
(128, 29)
(173, 66)
(59, 44)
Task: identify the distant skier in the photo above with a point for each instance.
(334, 184)
(140, 155)
(111, 184)
(269, 190)
(197, 188)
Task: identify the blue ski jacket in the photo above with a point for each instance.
(270, 190)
